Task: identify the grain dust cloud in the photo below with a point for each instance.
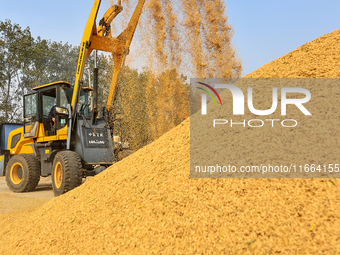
(175, 40)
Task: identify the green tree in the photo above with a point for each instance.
(14, 50)
(50, 62)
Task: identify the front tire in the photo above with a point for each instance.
(23, 173)
(67, 172)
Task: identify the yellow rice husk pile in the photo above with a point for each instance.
(147, 204)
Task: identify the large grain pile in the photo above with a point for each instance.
(146, 204)
(315, 138)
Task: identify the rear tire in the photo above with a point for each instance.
(23, 173)
(67, 172)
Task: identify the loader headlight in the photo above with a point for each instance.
(61, 111)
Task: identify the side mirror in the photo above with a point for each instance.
(61, 111)
(29, 119)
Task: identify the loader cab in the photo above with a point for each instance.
(38, 106)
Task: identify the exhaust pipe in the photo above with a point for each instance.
(95, 90)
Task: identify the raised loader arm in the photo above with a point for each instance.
(119, 57)
(100, 39)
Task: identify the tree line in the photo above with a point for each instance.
(25, 63)
(151, 104)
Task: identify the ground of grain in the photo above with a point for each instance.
(12, 203)
(20, 202)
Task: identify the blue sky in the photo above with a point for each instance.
(264, 29)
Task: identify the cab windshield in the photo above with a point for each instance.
(83, 99)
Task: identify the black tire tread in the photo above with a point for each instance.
(33, 173)
(34, 169)
(73, 171)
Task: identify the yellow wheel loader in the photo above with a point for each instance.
(73, 143)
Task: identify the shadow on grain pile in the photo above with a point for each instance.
(146, 204)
